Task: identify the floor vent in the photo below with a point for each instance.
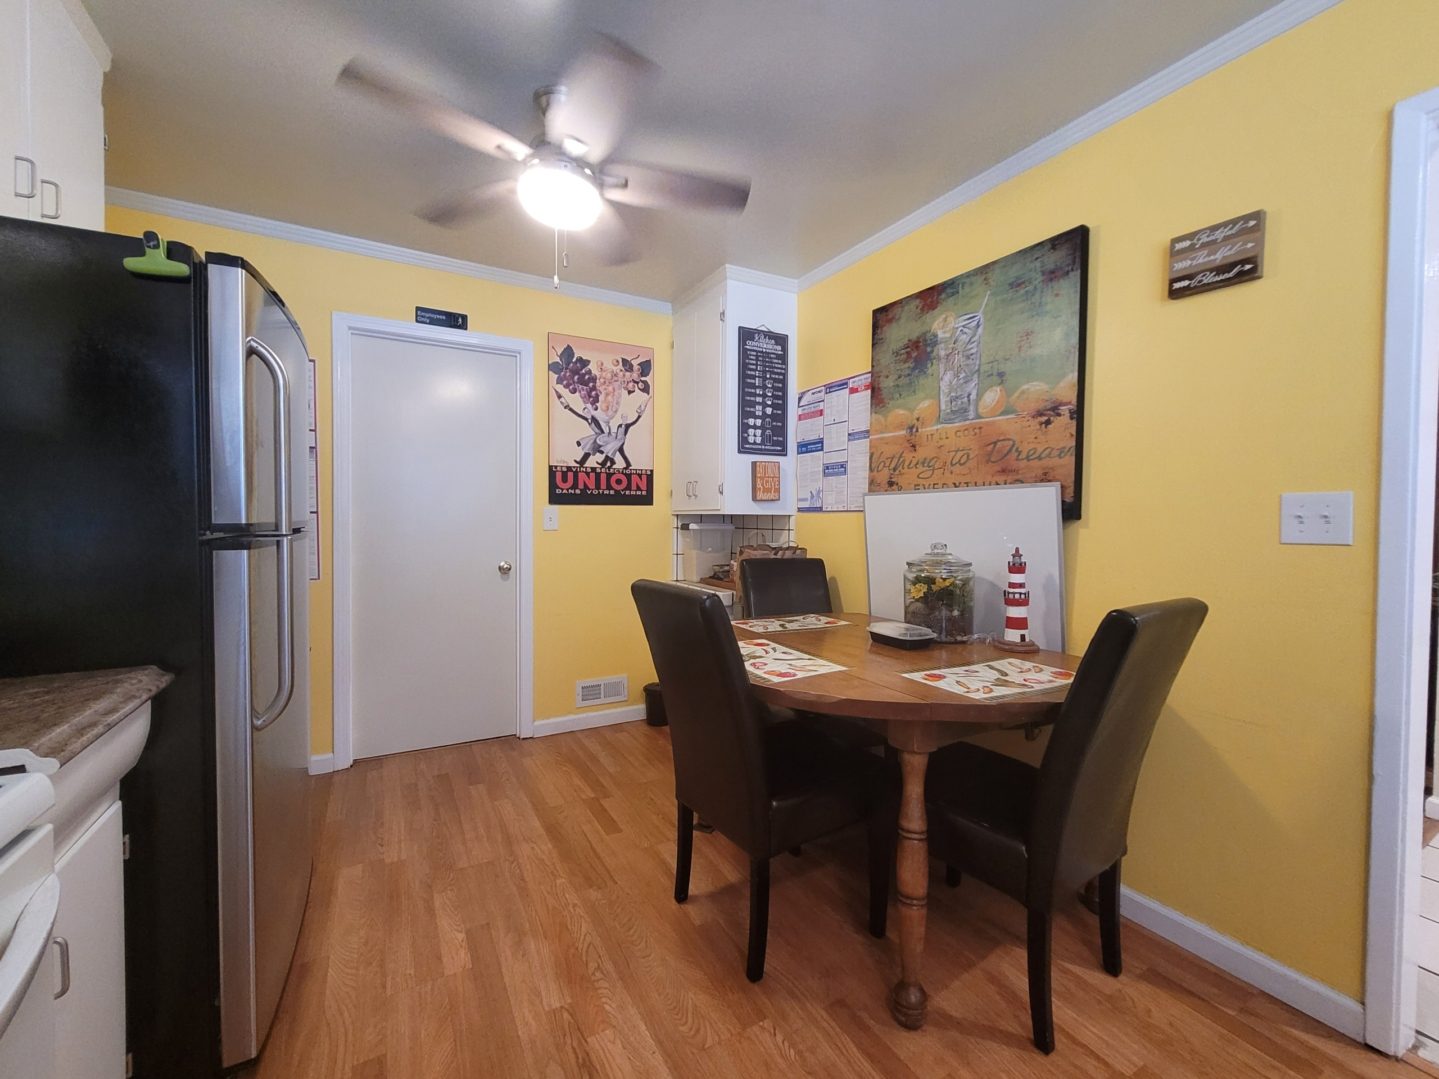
(592, 691)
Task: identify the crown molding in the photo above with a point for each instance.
(1257, 31)
(354, 245)
(741, 274)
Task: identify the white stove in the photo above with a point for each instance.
(29, 903)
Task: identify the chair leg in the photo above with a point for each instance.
(684, 849)
(758, 917)
(1109, 920)
(1041, 1003)
(952, 876)
(881, 858)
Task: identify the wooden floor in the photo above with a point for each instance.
(505, 909)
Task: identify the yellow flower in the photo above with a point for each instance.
(916, 591)
(942, 582)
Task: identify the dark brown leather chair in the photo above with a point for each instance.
(767, 787)
(1037, 834)
(774, 586)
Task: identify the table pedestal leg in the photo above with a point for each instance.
(908, 999)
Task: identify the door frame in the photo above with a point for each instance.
(344, 329)
(1402, 595)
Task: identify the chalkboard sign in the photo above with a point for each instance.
(763, 392)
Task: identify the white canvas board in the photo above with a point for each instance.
(982, 525)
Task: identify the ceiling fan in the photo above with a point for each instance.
(567, 179)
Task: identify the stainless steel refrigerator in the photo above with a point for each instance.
(153, 479)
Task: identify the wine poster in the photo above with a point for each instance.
(979, 380)
(602, 433)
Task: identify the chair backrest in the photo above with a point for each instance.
(774, 586)
(714, 721)
(1091, 766)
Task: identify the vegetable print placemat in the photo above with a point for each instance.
(994, 679)
(775, 663)
(789, 622)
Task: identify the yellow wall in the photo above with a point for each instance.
(1252, 810)
(584, 625)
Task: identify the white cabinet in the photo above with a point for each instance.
(52, 134)
(90, 942)
(710, 475)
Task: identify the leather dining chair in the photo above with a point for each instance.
(774, 586)
(1037, 834)
(767, 787)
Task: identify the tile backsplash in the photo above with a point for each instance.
(748, 528)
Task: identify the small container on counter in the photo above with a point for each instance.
(939, 593)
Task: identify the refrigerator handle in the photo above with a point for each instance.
(285, 639)
(257, 348)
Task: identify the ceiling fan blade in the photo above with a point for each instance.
(458, 207)
(610, 238)
(600, 87)
(658, 187)
(434, 112)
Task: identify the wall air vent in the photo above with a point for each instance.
(592, 691)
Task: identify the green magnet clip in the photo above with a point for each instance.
(153, 262)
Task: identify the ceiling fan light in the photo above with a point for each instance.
(560, 195)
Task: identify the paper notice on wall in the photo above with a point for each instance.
(312, 496)
(809, 449)
(832, 445)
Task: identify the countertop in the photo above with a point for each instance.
(48, 719)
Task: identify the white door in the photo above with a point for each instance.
(68, 125)
(433, 534)
(17, 168)
(90, 1016)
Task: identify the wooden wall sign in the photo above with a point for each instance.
(764, 481)
(1218, 256)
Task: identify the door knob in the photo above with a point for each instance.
(504, 568)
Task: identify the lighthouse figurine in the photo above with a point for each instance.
(1016, 609)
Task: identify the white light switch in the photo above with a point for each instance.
(1317, 517)
(552, 519)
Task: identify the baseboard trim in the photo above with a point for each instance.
(322, 764)
(584, 721)
(1299, 991)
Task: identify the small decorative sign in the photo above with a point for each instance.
(763, 392)
(1218, 256)
(764, 481)
(433, 316)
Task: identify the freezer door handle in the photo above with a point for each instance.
(257, 348)
(285, 638)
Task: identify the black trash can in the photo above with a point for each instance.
(655, 706)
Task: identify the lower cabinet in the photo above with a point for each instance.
(90, 940)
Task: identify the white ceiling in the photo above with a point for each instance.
(846, 114)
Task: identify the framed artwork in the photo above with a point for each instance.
(602, 432)
(979, 380)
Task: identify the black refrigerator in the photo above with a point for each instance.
(153, 502)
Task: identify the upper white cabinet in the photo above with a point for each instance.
(710, 475)
(52, 136)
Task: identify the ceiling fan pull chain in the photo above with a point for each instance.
(557, 258)
(565, 259)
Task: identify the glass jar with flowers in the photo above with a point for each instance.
(939, 593)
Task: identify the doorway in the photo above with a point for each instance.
(433, 580)
(1403, 595)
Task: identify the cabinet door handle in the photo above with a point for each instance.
(30, 164)
(64, 946)
(721, 488)
(56, 215)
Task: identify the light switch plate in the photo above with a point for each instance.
(552, 519)
(1324, 517)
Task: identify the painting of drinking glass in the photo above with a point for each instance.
(979, 380)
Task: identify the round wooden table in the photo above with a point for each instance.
(916, 719)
